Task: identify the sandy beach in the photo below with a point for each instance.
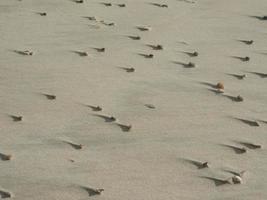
(145, 99)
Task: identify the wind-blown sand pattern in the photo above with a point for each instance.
(121, 99)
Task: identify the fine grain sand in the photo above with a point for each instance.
(76, 125)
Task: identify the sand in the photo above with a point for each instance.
(186, 120)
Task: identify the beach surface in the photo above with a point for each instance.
(167, 115)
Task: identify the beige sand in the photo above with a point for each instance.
(189, 121)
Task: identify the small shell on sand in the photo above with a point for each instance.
(263, 17)
(135, 37)
(93, 18)
(193, 54)
(130, 69)
(146, 55)
(144, 28)
(73, 145)
(243, 150)
(205, 165)
(198, 164)
(16, 118)
(110, 24)
(5, 157)
(156, 47)
(245, 59)
(100, 49)
(151, 106)
(78, 146)
(27, 53)
(50, 96)
(239, 98)
(248, 42)
(125, 128)
(93, 191)
(149, 56)
(113, 119)
(99, 191)
(220, 86)
(190, 65)
(164, 5)
(107, 23)
(242, 76)
(186, 65)
(5, 194)
(122, 5)
(96, 108)
(107, 118)
(42, 13)
(79, 1)
(237, 180)
(160, 5)
(83, 53)
(107, 4)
